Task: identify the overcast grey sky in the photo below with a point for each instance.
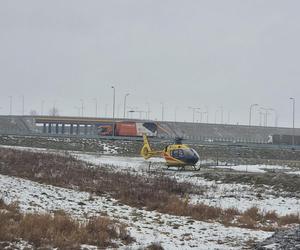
(207, 54)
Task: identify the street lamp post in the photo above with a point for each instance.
(250, 112)
(114, 103)
(96, 107)
(260, 118)
(114, 100)
(10, 105)
(265, 116)
(221, 114)
(216, 113)
(275, 117)
(228, 117)
(105, 110)
(125, 104)
(162, 111)
(194, 109)
(175, 113)
(293, 138)
(206, 107)
(81, 107)
(78, 110)
(205, 113)
(23, 104)
(42, 107)
(148, 110)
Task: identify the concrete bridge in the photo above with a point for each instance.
(87, 126)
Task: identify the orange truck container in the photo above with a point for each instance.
(126, 129)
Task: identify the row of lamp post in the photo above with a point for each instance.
(276, 116)
(266, 110)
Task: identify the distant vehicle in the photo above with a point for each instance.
(128, 129)
(284, 139)
(177, 154)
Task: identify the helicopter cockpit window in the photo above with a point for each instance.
(195, 152)
(175, 153)
(180, 153)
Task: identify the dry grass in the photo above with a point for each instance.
(59, 230)
(289, 219)
(157, 192)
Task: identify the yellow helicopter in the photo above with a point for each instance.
(176, 155)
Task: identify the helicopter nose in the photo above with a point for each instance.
(193, 159)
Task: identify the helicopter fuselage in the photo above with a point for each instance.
(176, 154)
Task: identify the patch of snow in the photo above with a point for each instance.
(119, 162)
(254, 168)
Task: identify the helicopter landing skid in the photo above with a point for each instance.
(183, 168)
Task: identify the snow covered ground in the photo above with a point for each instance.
(216, 194)
(173, 232)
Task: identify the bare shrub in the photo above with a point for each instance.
(289, 219)
(204, 212)
(229, 215)
(59, 230)
(271, 216)
(100, 230)
(175, 206)
(154, 246)
(250, 218)
(253, 213)
(247, 221)
(231, 212)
